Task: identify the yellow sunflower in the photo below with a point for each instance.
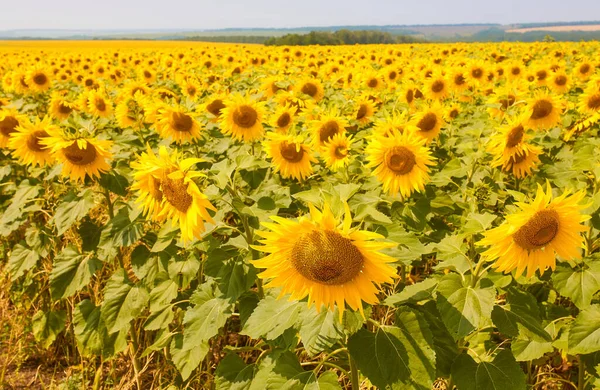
(589, 101)
(326, 126)
(9, 121)
(60, 108)
(501, 100)
(531, 238)
(429, 121)
(98, 104)
(544, 110)
(336, 152)
(38, 79)
(312, 88)
(283, 118)
(560, 82)
(26, 142)
(436, 87)
(364, 111)
(130, 112)
(459, 81)
(213, 107)
(290, 156)
(400, 161)
(242, 118)
(272, 85)
(177, 123)
(81, 156)
(389, 124)
(147, 171)
(330, 262)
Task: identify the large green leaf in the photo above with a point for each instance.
(91, 333)
(584, 334)
(501, 373)
(21, 259)
(413, 293)
(186, 360)
(520, 316)
(71, 272)
(233, 374)
(202, 322)
(527, 349)
(47, 325)
(464, 308)
(319, 331)
(123, 301)
(579, 284)
(271, 318)
(72, 209)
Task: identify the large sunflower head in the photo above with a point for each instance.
(326, 260)
(364, 111)
(283, 118)
(560, 82)
(81, 156)
(98, 104)
(589, 101)
(544, 110)
(401, 162)
(60, 107)
(177, 123)
(26, 142)
(530, 238)
(312, 88)
(436, 87)
(242, 118)
(336, 152)
(10, 119)
(213, 107)
(326, 126)
(38, 79)
(290, 156)
(429, 121)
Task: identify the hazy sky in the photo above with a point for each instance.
(202, 14)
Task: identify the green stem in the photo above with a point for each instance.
(476, 272)
(581, 374)
(354, 375)
(133, 351)
(449, 384)
(111, 211)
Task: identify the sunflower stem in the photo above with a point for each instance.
(581, 374)
(354, 374)
(111, 212)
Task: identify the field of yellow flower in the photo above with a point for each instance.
(189, 215)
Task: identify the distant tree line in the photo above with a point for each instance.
(341, 37)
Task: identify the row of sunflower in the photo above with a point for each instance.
(400, 191)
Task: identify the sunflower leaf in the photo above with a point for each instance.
(501, 373)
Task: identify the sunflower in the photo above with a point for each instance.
(130, 111)
(436, 87)
(20, 82)
(373, 81)
(411, 92)
(272, 85)
(389, 124)
(283, 118)
(589, 101)
(544, 111)
(476, 73)
(559, 82)
(133, 87)
(400, 162)
(584, 70)
(10, 119)
(177, 123)
(501, 100)
(168, 192)
(26, 145)
(364, 111)
(8, 82)
(242, 118)
(60, 108)
(291, 157)
(213, 107)
(312, 88)
(429, 121)
(452, 112)
(191, 89)
(531, 238)
(514, 71)
(542, 74)
(81, 156)
(98, 104)
(323, 259)
(459, 81)
(328, 125)
(336, 152)
(38, 79)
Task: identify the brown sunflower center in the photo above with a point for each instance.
(409, 96)
(541, 109)
(372, 83)
(328, 130)
(507, 102)
(515, 136)
(362, 112)
(7, 125)
(176, 193)
(245, 116)
(459, 79)
(64, 109)
(428, 122)
(418, 94)
(215, 107)
(437, 86)
(326, 257)
(453, 113)
(560, 80)
(594, 102)
(290, 152)
(515, 71)
(477, 73)
(310, 89)
(182, 122)
(40, 79)
(539, 231)
(155, 191)
(400, 160)
(284, 119)
(541, 75)
(191, 91)
(584, 68)
(33, 141)
(100, 104)
(78, 156)
(341, 152)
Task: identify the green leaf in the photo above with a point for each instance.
(319, 331)
(186, 360)
(114, 182)
(46, 326)
(233, 374)
(21, 259)
(444, 345)
(527, 349)
(72, 209)
(584, 333)
(271, 318)
(452, 251)
(121, 231)
(71, 272)
(464, 308)
(520, 316)
(90, 235)
(501, 373)
(579, 284)
(140, 261)
(183, 271)
(91, 333)
(413, 293)
(476, 223)
(202, 322)
(123, 301)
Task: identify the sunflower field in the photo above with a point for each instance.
(212, 216)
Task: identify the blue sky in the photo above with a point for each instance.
(202, 14)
